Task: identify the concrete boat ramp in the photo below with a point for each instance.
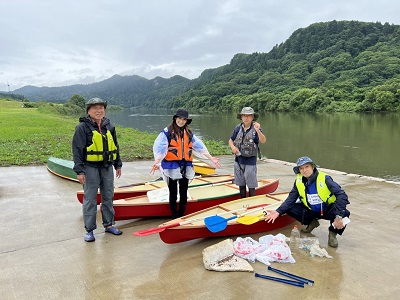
(43, 254)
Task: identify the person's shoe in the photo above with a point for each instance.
(314, 224)
(113, 230)
(332, 240)
(89, 237)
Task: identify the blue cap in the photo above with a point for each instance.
(302, 161)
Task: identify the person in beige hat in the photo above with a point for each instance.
(244, 144)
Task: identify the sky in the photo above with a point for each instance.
(58, 42)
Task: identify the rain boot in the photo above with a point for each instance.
(332, 240)
(252, 192)
(242, 190)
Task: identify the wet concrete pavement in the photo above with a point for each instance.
(43, 254)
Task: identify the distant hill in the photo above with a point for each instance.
(329, 66)
(127, 91)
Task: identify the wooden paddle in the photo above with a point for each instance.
(162, 228)
(248, 220)
(217, 223)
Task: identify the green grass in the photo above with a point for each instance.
(31, 135)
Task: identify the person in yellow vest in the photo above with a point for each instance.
(173, 150)
(96, 154)
(314, 196)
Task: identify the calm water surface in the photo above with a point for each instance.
(366, 144)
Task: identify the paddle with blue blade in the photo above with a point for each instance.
(218, 223)
(162, 228)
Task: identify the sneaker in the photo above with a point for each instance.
(89, 237)
(332, 240)
(314, 224)
(113, 230)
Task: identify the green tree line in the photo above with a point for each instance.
(347, 66)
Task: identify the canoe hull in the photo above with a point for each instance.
(142, 188)
(172, 235)
(203, 168)
(195, 227)
(124, 210)
(62, 168)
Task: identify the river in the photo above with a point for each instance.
(365, 144)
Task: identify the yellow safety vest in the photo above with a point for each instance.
(322, 190)
(96, 152)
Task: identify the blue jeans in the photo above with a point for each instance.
(102, 178)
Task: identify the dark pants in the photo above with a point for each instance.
(173, 196)
(305, 216)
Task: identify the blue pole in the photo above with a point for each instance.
(295, 283)
(295, 277)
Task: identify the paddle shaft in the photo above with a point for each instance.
(248, 220)
(162, 228)
(216, 224)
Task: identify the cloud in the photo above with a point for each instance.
(56, 43)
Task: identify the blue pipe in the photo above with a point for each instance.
(295, 277)
(295, 283)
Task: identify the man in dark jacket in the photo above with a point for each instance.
(315, 196)
(96, 153)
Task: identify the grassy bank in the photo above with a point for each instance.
(31, 135)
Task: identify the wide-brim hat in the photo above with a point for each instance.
(183, 114)
(95, 101)
(248, 111)
(302, 161)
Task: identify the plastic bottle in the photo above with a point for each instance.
(294, 240)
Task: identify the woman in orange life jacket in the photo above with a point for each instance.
(173, 154)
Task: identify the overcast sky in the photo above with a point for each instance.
(59, 42)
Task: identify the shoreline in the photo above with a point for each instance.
(331, 171)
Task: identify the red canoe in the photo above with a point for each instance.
(195, 228)
(199, 198)
(139, 189)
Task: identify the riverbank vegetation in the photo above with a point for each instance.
(33, 132)
(337, 66)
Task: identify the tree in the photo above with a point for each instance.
(77, 100)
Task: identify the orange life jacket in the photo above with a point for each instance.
(179, 148)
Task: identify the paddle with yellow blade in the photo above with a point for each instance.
(249, 220)
(162, 228)
(218, 223)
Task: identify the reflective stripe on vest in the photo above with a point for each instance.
(323, 192)
(96, 152)
(179, 148)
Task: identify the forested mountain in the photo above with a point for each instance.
(126, 91)
(330, 66)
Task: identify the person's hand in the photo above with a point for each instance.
(118, 173)
(216, 162)
(272, 216)
(235, 150)
(338, 223)
(81, 178)
(154, 167)
(256, 126)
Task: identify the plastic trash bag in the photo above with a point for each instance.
(276, 250)
(247, 248)
(269, 249)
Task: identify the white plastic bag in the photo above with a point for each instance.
(247, 248)
(276, 250)
(269, 249)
